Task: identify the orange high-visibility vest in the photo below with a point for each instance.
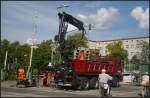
(21, 74)
(82, 57)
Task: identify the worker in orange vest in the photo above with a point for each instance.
(82, 55)
(21, 74)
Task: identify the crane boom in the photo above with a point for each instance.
(64, 19)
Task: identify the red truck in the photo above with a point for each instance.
(83, 74)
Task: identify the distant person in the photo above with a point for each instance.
(21, 76)
(45, 79)
(145, 84)
(118, 77)
(82, 55)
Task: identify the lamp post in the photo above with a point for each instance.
(62, 7)
(32, 43)
(5, 60)
(5, 63)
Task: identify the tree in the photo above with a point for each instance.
(142, 58)
(135, 62)
(75, 41)
(144, 52)
(115, 49)
(5, 46)
(42, 55)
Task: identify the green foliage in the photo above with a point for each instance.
(41, 56)
(75, 41)
(57, 57)
(115, 49)
(145, 52)
(5, 45)
(135, 62)
(143, 57)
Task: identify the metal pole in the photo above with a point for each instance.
(5, 60)
(52, 56)
(38, 75)
(30, 62)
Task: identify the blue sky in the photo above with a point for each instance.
(111, 19)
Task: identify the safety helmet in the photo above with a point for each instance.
(103, 71)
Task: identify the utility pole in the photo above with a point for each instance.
(32, 42)
(52, 55)
(30, 62)
(5, 62)
(35, 24)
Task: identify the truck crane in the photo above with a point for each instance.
(64, 20)
(80, 74)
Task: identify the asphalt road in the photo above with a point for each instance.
(9, 90)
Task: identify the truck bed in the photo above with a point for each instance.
(84, 67)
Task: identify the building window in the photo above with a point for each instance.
(132, 40)
(127, 46)
(132, 53)
(132, 46)
(137, 46)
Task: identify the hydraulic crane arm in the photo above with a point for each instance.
(64, 19)
(70, 19)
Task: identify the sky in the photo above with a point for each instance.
(109, 19)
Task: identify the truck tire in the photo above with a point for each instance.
(94, 83)
(84, 83)
(75, 84)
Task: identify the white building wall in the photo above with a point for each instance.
(130, 44)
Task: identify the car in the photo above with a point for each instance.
(128, 77)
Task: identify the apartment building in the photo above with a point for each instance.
(130, 44)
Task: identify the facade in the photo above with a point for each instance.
(130, 44)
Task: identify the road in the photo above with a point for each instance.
(9, 90)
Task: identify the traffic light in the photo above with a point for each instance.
(76, 54)
(87, 55)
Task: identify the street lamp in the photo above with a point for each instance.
(62, 7)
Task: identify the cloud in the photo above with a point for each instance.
(141, 16)
(102, 20)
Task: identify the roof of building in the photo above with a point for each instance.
(120, 39)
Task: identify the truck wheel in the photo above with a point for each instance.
(94, 83)
(84, 83)
(87, 84)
